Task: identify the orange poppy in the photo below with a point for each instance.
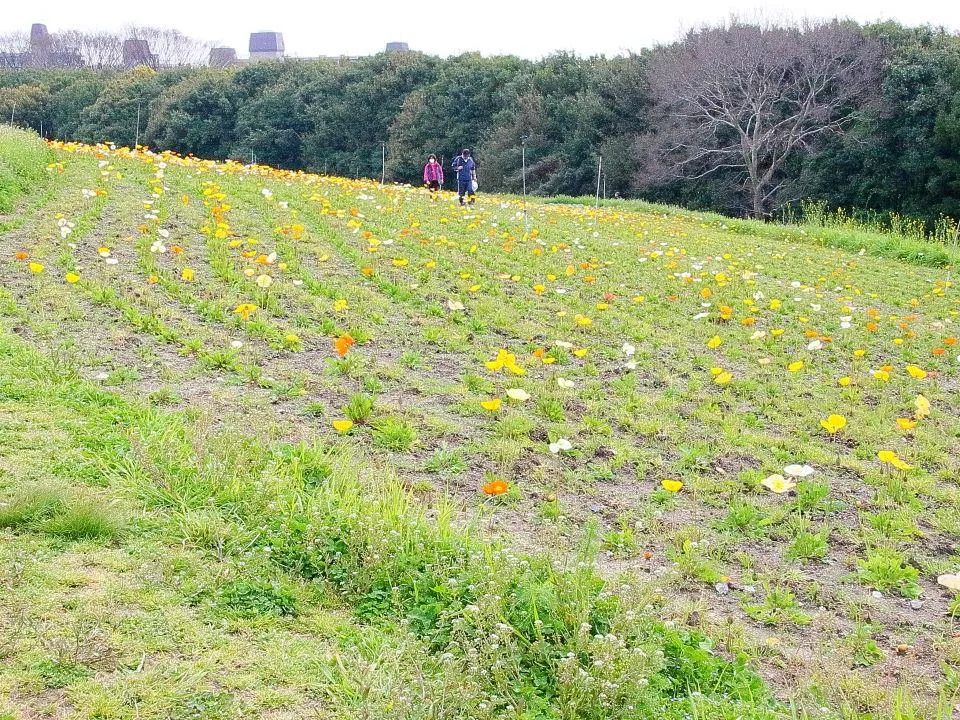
(343, 344)
(496, 487)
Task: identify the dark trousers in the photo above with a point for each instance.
(434, 185)
(465, 187)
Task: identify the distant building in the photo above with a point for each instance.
(264, 45)
(137, 52)
(39, 39)
(42, 53)
(397, 47)
(223, 56)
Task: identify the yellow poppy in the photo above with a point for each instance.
(342, 426)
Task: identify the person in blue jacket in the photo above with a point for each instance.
(466, 170)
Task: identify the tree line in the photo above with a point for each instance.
(742, 118)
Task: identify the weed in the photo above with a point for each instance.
(779, 606)
(884, 569)
(394, 434)
(359, 408)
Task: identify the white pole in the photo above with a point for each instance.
(12, 111)
(383, 166)
(956, 239)
(137, 138)
(523, 161)
(599, 171)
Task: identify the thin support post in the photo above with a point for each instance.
(136, 140)
(523, 162)
(12, 111)
(383, 163)
(599, 175)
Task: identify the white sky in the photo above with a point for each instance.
(529, 28)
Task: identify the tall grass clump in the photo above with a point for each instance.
(525, 632)
(24, 158)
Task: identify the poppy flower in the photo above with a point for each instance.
(496, 487)
(951, 582)
(560, 445)
(795, 366)
(714, 342)
(492, 405)
(778, 484)
(36, 267)
(504, 360)
(187, 274)
(339, 305)
(833, 424)
(518, 394)
(891, 458)
(343, 344)
(264, 281)
(21, 254)
(723, 378)
(244, 310)
(923, 407)
(916, 373)
(342, 426)
(906, 423)
(72, 278)
(673, 486)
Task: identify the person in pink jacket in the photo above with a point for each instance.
(433, 174)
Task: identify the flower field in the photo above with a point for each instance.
(281, 445)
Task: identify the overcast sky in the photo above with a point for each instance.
(530, 28)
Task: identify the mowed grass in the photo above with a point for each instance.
(444, 465)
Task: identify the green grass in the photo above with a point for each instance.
(23, 164)
(558, 497)
(373, 549)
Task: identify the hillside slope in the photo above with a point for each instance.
(446, 467)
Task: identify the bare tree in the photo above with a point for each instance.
(99, 49)
(171, 46)
(13, 48)
(746, 100)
